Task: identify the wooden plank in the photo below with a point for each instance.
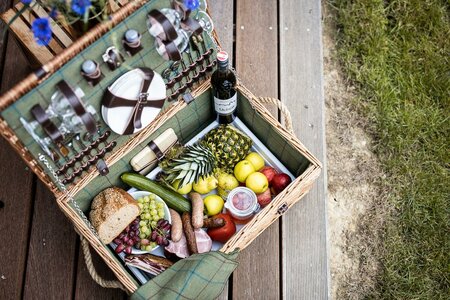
(86, 288)
(305, 263)
(24, 34)
(16, 186)
(29, 17)
(57, 31)
(258, 275)
(50, 265)
(222, 13)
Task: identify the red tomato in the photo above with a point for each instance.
(224, 233)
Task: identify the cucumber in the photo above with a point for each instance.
(172, 198)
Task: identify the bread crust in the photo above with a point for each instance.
(108, 202)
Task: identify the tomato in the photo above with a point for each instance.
(224, 233)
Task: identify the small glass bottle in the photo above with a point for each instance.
(242, 205)
(223, 82)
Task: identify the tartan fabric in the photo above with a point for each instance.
(200, 276)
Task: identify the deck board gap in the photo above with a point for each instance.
(30, 227)
(279, 116)
(75, 267)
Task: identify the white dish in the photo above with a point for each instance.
(139, 194)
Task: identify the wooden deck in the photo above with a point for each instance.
(277, 50)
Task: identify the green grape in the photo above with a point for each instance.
(160, 205)
(140, 200)
(142, 236)
(153, 224)
(143, 248)
(148, 231)
(152, 196)
(146, 199)
(142, 223)
(144, 228)
(161, 214)
(152, 206)
(154, 212)
(141, 206)
(148, 248)
(147, 216)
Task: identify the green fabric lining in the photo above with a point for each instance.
(70, 72)
(200, 276)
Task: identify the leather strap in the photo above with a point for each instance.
(77, 105)
(159, 154)
(102, 167)
(172, 51)
(181, 9)
(113, 58)
(192, 25)
(112, 101)
(49, 127)
(169, 29)
(132, 48)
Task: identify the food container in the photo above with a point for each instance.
(242, 204)
(187, 114)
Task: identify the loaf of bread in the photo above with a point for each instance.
(111, 212)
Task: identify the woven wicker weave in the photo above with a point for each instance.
(73, 199)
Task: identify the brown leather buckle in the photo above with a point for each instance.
(143, 97)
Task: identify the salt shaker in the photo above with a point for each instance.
(132, 42)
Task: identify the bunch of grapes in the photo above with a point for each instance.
(151, 212)
(161, 234)
(128, 238)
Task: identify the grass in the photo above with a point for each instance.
(397, 54)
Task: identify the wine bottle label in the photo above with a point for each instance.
(225, 106)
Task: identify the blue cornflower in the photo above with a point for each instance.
(53, 13)
(26, 2)
(42, 31)
(80, 6)
(192, 4)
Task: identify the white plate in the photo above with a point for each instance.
(139, 194)
(128, 86)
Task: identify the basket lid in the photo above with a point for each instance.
(180, 53)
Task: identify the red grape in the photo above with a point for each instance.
(120, 248)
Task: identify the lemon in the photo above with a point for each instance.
(256, 160)
(205, 185)
(213, 204)
(184, 190)
(243, 169)
(257, 182)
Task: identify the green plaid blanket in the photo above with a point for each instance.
(200, 276)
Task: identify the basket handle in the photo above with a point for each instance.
(284, 111)
(113, 284)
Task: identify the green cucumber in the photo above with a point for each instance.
(172, 198)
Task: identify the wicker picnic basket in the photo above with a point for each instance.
(186, 117)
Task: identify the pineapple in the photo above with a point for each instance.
(188, 165)
(229, 146)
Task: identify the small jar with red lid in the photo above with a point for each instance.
(242, 204)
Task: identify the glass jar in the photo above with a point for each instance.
(242, 204)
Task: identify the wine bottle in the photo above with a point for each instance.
(223, 82)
